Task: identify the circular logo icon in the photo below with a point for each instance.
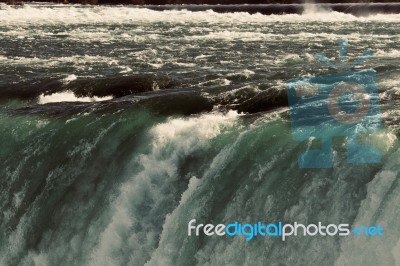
(357, 93)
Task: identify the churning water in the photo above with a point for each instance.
(120, 124)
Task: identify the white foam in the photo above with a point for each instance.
(384, 141)
(311, 8)
(199, 57)
(68, 96)
(393, 53)
(70, 78)
(396, 253)
(172, 140)
(125, 69)
(78, 61)
(193, 184)
(184, 64)
(36, 13)
(380, 207)
(246, 36)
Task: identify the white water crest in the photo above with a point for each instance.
(36, 13)
(130, 231)
(69, 96)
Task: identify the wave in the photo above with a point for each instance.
(172, 142)
(87, 87)
(59, 14)
(68, 97)
(158, 173)
(247, 99)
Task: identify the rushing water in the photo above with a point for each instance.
(121, 124)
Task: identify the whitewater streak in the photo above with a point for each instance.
(39, 13)
(131, 230)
